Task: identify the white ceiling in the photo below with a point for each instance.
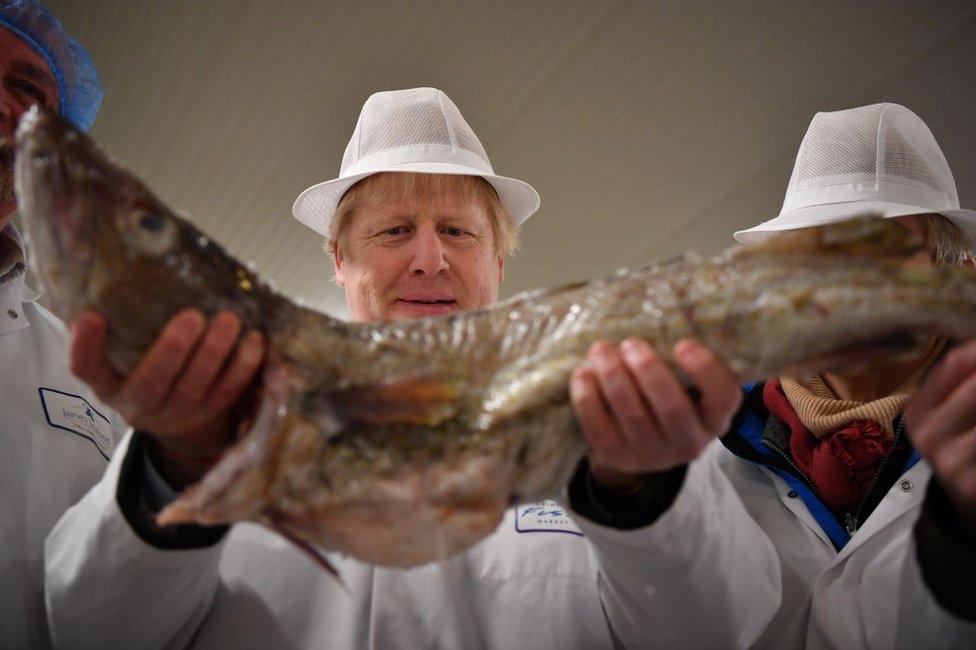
(648, 128)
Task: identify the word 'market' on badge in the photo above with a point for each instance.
(545, 517)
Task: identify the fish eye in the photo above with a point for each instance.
(148, 230)
(152, 222)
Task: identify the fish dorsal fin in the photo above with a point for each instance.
(867, 235)
(421, 399)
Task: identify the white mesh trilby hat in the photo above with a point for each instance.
(417, 130)
(880, 159)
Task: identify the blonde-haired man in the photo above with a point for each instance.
(646, 540)
(368, 268)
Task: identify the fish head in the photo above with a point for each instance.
(101, 240)
(84, 215)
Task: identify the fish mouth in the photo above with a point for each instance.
(44, 180)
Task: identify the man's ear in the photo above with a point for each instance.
(337, 264)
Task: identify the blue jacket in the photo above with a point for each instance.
(750, 439)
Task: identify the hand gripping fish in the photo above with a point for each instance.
(401, 443)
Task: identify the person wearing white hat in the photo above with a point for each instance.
(880, 159)
(646, 541)
(866, 482)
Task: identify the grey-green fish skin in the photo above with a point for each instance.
(401, 443)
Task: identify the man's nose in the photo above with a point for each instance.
(428, 254)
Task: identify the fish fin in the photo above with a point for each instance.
(235, 489)
(416, 399)
(308, 549)
(866, 235)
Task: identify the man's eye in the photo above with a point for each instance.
(30, 89)
(454, 231)
(394, 231)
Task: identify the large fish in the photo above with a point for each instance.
(400, 443)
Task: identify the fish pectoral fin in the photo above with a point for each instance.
(307, 548)
(416, 399)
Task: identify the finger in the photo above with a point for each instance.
(87, 358)
(720, 394)
(608, 452)
(676, 415)
(965, 488)
(238, 374)
(956, 413)
(947, 374)
(150, 382)
(620, 392)
(598, 426)
(955, 457)
(955, 466)
(206, 363)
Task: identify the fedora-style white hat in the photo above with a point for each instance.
(417, 130)
(880, 159)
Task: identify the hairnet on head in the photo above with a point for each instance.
(78, 84)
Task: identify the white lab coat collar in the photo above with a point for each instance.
(904, 497)
(14, 292)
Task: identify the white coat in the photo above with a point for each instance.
(56, 441)
(702, 576)
(871, 593)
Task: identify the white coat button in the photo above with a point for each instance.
(12, 313)
(792, 494)
(905, 485)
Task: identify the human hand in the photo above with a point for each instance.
(941, 422)
(636, 415)
(183, 390)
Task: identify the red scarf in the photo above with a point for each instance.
(842, 463)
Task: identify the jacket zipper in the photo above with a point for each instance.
(799, 473)
(853, 520)
(850, 522)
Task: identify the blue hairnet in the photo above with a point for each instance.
(78, 84)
